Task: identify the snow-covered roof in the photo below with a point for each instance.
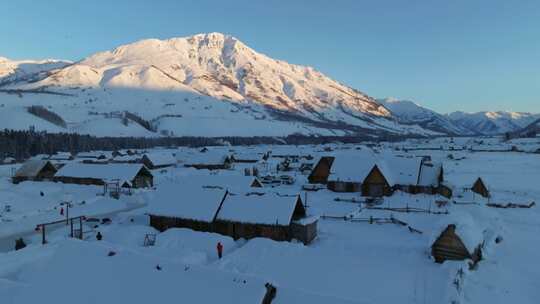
(187, 201)
(429, 174)
(8, 160)
(122, 172)
(234, 182)
(400, 170)
(40, 157)
(126, 158)
(247, 155)
(61, 156)
(161, 158)
(95, 154)
(31, 168)
(268, 208)
(356, 167)
(352, 168)
(208, 158)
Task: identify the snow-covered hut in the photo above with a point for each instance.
(480, 187)
(34, 170)
(460, 238)
(247, 215)
(195, 208)
(134, 175)
(268, 215)
(211, 160)
(348, 172)
(158, 160)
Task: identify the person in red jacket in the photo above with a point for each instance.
(219, 249)
(61, 211)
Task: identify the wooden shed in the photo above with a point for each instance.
(321, 171)
(34, 170)
(450, 246)
(137, 175)
(480, 187)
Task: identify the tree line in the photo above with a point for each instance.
(22, 144)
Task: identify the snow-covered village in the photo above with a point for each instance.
(448, 220)
(269, 152)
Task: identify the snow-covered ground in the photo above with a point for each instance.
(349, 261)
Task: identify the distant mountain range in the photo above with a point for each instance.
(210, 85)
(459, 123)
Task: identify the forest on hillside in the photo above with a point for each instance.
(24, 144)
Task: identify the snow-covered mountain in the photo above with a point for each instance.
(12, 71)
(203, 85)
(490, 123)
(409, 112)
(458, 123)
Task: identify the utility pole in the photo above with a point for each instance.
(67, 204)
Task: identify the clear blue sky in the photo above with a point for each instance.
(447, 55)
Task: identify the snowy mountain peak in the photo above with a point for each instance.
(208, 81)
(228, 71)
(490, 123)
(409, 112)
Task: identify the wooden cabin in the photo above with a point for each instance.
(375, 184)
(158, 160)
(138, 176)
(375, 177)
(347, 172)
(480, 187)
(268, 215)
(449, 246)
(430, 180)
(195, 210)
(245, 215)
(321, 171)
(35, 170)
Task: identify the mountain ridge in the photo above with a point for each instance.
(459, 122)
(202, 85)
